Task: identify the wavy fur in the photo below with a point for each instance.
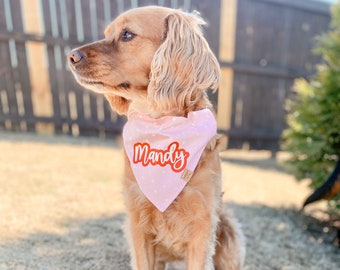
(183, 67)
(155, 61)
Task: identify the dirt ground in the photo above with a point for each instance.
(61, 208)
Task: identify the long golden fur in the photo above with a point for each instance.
(155, 60)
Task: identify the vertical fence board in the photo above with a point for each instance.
(5, 67)
(11, 76)
(55, 77)
(270, 51)
(21, 72)
(6, 85)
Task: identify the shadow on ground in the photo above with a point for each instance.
(276, 239)
(265, 163)
(85, 244)
(112, 142)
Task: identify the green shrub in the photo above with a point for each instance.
(313, 133)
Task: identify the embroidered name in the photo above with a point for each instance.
(173, 156)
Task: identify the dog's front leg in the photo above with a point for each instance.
(142, 248)
(201, 247)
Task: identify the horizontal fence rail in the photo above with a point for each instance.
(262, 46)
(48, 99)
(269, 47)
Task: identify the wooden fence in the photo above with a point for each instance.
(271, 47)
(262, 46)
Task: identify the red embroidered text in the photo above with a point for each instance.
(174, 156)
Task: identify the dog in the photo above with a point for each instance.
(155, 67)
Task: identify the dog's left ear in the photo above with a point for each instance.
(183, 67)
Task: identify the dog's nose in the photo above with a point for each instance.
(75, 57)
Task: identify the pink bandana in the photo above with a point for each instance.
(164, 152)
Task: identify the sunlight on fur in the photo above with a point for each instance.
(155, 65)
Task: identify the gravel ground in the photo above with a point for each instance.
(61, 208)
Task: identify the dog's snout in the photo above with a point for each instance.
(75, 57)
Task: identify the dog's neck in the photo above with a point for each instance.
(142, 106)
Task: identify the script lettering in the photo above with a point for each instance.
(173, 156)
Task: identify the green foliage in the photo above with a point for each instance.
(313, 133)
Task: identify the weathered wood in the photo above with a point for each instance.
(38, 87)
(262, 45)
(273, 46)
(10, 60)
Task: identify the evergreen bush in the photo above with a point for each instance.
(313, 133)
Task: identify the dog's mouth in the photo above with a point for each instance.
(93, 80)
(87, 82)
(99, 86)
(92, 84)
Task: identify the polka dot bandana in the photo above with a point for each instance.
(164, 152)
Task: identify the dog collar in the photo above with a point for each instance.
(164, 152)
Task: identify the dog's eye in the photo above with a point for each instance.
(126, 36)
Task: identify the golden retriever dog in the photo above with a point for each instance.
(155, 67)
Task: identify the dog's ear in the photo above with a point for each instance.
(118, 104)
(183, 67)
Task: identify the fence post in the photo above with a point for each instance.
(226, 54)
(38, 67)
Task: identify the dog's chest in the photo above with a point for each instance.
(170, 230)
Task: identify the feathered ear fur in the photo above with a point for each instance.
(183, 67)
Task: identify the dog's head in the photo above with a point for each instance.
(153, 60)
